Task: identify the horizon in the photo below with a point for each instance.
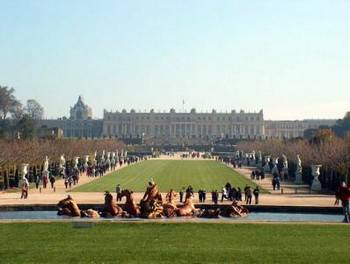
(290, 59)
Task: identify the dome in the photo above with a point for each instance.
(80, 111)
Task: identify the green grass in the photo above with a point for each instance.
(173, 243)
(168, 174)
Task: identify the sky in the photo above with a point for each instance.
(290, 58)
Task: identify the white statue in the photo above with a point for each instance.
(95, 159)
(46, 164)
(267, 165)
(108, 160)
(62, 162)
(103, 157)
(285, 164)
(237, 154)
(24, 170)
(316, 184)
(113, 159)
(86, 160)
(253, 155)
(76, 162)
(299, 171)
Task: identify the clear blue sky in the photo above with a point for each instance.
(290, 58)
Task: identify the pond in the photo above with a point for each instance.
(252, 217)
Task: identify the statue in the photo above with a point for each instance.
(299, 171)
(285, 165)
(267, 165)
(113, 161)
(237, 154)
(152, 202)
(103, 157)
(316, 184)
(62, 162)
(95, 159)
(108, 158)
(259, 156)
(46, 164)
(86, 161)
(69, 207)
(24, 170)
(76, 162)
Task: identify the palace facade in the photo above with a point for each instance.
(177, 127)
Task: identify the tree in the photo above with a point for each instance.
(17, 112)
(34, 109)
(342, 126)
(26, 127)
(8, 102)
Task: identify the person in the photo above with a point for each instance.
(66, 181)
(189, 190)
(262, 174)
(248, 195)
(118, 190)
(200, 196)
(252, 176)
(337, 196)
(45, 181)
(239, 194)
(278, 183)
(224, 194)
(37, 181)
(233, 194)
(25, 187)
(52, 181)
(204, 194)
(344, 193)
(256, 193)
(228, 187)
(70, 181)
(274, 183)
(245, 193)
(182, 194)
(214, 196)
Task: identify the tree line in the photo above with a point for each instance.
(16, 119)
(324, 148)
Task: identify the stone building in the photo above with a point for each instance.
(80, 111)
(79, 125)
(294, 129)
(178, 128)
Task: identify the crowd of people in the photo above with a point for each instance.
(228, 193)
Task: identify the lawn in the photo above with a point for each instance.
(168, 174)
(173, 243)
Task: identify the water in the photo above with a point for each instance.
(258, 217)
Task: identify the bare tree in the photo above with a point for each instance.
(8, 102)
(34, 109)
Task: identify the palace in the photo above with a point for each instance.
(178, 127)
